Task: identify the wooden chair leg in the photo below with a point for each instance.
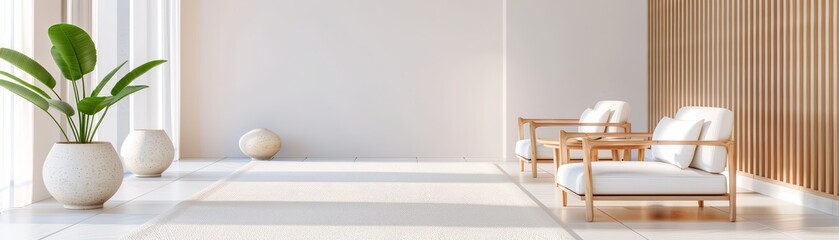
(701, 203)
(590, 155)
(564, 199)
(589, 209)
(627, 154)
(732, 209)
(615, 156)
(641, 153)
(521, 165)
(556, 162)
(533, 167)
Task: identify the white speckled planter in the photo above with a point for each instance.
(147, 152)
(82, 175)
(260, 144)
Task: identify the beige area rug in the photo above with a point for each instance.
(303, 200)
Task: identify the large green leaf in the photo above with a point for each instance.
(92, 105)
(106, 79)
(125, 92)
(62, 107)
(134, 74)
(26, 84)
(59, 61)
(28, 65)
(76, 48)
(25, 93)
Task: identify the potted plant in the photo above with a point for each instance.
(79, 173)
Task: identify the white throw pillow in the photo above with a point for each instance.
(594, 116)
(679, 130)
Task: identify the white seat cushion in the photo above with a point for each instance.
(641, 178)
(542, 152)
(677, 130)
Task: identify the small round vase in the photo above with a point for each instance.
(147, 152)
(260, 144)
(82, 175)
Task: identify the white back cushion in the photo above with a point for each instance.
(594, 116)
(672, 129)
(620, 113)
(717, 126)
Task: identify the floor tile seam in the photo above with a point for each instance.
(715, 208)
(305, 159)
(132, 199)
(781, 231)
(622, 224)
(170, 182)
(65, 228)
(538, 203)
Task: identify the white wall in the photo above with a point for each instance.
(402, 78)
(565, 55)
(374, 78)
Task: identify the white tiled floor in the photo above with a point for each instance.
(141, 199)
(759, 216)
(137, 201)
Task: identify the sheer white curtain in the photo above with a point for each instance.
(15, 113)
(141, 31)
(155, 34)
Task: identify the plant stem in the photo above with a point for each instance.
(90, 127)
(84, 90)
(73, 128)
(81, 129)
(59, 126)
(56, 94)
(100, 120)
(89, 119)
(76, 92)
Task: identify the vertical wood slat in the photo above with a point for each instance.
(832, 119)
(773, 62)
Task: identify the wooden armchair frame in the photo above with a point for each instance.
(534, 123)
(590, 146)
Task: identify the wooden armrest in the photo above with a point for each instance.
(537, 124)
(565, 135)
(547, 120)
(596, 144)
(542, 122)
(563, 123)
(592, 144)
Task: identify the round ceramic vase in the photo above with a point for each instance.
(260, 144)
(147, 152)
(82, 175)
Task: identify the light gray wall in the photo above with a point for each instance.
(374, 78)
(403, 78)
(565, 55)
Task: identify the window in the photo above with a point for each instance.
(15, 113)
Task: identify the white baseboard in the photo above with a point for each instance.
(788, 194)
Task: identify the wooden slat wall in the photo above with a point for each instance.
(773, 62)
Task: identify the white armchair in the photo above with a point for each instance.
(689, 153)
(528, 151)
